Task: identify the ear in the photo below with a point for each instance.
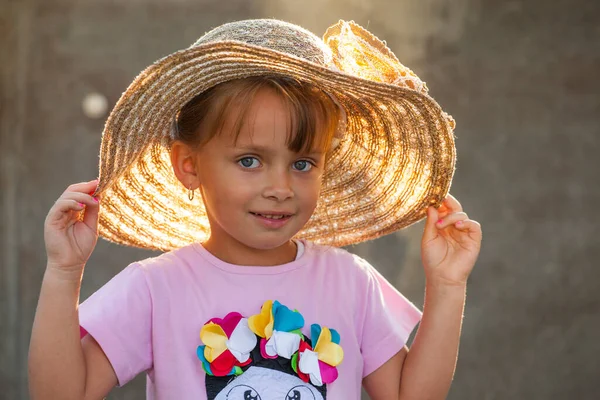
(184, 160)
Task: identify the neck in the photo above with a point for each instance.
(238, 253)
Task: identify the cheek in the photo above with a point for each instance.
(310, 193)
(223, 196)
(223, 190)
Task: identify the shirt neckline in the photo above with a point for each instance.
(254, 269)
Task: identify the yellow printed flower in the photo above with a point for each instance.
(262, 324)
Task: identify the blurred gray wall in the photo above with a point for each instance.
(520, 77)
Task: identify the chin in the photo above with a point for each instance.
(264, 240)
(266, 243)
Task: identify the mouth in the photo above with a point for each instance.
(272, 215)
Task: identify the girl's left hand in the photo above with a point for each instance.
(450, 245)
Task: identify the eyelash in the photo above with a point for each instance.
(239, 162)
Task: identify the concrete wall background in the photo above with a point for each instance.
(520, 77)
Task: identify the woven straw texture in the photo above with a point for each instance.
(396, 157)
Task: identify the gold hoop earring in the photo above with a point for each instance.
(191, 193)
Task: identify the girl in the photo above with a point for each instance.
(252, 156)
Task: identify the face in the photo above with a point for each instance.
(257, 192)
(267, 384)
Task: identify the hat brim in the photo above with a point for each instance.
(396, 158)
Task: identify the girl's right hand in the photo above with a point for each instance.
(69, 239)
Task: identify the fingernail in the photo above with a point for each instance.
(96, 199)
(80, 204)
(459, 223)
(440, 221)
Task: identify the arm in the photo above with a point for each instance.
(430, 364)
(60, 364)
(426, 371)
(450, 247)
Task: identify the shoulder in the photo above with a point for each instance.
(341, 260)
(174, 263)
(183, 255)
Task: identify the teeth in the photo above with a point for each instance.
(272, 216)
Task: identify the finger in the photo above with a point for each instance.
(81, 198)
(451, 219)
(450, 205)
(63, 207)
(430, 231)
(83, 187)
(468, 225)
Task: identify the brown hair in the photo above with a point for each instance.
(313, 114)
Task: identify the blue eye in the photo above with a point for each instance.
(303, 165)
(249, 162)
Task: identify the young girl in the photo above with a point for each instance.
(252, 156)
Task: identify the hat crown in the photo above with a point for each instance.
(272, 34)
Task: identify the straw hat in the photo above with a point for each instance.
(395, 159)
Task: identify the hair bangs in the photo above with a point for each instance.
(313, 115)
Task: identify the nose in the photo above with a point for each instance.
(279, 185)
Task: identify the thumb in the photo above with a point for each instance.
(431, 230)
(90, 216)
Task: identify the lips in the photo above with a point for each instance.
(272, 219)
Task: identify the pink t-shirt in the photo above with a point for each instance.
(149, 318)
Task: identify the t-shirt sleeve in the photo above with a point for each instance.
(119, 317)
(389, 319)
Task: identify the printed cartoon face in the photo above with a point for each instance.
(259, 383)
